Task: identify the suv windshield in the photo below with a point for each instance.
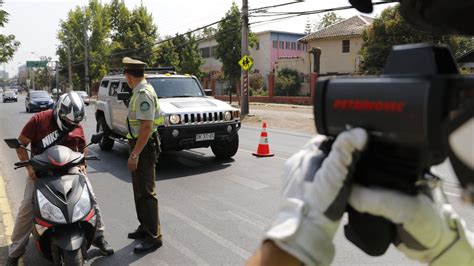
(168, 87)
(39, 94)
(9, 93)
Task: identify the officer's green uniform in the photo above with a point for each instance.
(143, 105)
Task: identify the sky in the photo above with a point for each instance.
(35, 22)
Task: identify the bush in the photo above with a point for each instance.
(256, 81)
(259, 92)
(288, 83)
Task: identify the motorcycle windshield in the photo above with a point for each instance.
(56, 158)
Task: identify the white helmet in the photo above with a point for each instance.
(69, 111)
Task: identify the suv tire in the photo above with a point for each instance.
(106, 143)
(226, 150)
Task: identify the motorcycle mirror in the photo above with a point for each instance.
(97, 137)
(13, 143)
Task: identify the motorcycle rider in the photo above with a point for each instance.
(61, 125)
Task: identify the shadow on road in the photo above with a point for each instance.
(173, 164)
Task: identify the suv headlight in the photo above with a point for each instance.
(48, 210)
(83, 205)
(175, 119)
(227, 116)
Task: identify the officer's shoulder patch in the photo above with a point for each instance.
(144, 106)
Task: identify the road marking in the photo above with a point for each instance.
(281, 158)
(6, 211)
(242, 217)
(217, 238)
(452, 194)
(246, 182)
(185, 251)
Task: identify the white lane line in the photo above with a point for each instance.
(217, 238)
(242, 217)
(251, 214)
(185, 251)
(281, 158)
(246, 182)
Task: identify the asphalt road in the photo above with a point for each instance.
(212, 212)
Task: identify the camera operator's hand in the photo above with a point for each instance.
(428, 228)
(315, 196)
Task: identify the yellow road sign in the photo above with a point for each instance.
(245, 62)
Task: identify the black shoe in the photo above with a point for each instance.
(12, 261)
(137, 234)
(103, 246)
(148, 246)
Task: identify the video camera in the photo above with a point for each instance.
(410, 112)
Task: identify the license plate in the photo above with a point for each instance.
(205, 136)
(42, 106)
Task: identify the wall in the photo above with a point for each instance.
(333, 60)
(210, 63)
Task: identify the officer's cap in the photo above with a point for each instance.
(130, 63)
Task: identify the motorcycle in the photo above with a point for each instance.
(64, 220)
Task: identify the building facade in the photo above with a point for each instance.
(334, 50)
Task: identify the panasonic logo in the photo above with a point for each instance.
(367, 105)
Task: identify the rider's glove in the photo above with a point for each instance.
(428, 229)
(315, 191)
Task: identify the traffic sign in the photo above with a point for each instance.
(245, 62)
(31, 64)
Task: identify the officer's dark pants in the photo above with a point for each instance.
(144, 191)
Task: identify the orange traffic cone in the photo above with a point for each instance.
(263, 149)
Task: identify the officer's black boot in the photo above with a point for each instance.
(12, 261)
(103, 246)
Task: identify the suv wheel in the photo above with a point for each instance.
(106, 143)
(226, 150)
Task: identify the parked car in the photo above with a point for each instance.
(192, 120)
(85, 97)
(9, 96)
(37, 100)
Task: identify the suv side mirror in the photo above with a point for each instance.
(123, 96)
(208, 92)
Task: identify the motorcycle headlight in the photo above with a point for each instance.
(83, 205)
(48, 211)
(227, 116)
(175, 119)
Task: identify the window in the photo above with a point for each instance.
(214, 51)
(113, 88)
(257, 46)
(275, 44)
(206, 52)
(300, 47)
(104, 83)
(346, 46)
(288, 46)
(282, 45)
(293, 46)
(125, 87)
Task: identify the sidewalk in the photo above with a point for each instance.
(6, 223)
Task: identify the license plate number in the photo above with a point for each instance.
(42, 106)
(205, 136)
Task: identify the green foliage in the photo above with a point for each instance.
(7, 42)
(391, 29)
(230, 43)
(327, 20)
(256, 81)
(167, 55)
(287, 83)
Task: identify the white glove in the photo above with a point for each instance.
(315, 197)
(429, 229)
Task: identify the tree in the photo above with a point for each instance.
(133, 33)
(288, 83)
(229, 42)
(190, 59)
(327, 20)
(7, 42)
(167, 55)
(391, 29)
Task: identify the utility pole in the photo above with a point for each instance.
(69, 85)
(56, 74)
(244, 108)
(86, 61)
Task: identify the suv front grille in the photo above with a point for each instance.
(202, 118)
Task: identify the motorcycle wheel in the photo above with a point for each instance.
(67, 257)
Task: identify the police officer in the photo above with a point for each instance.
(143, 120)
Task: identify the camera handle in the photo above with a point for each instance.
(387, 166)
